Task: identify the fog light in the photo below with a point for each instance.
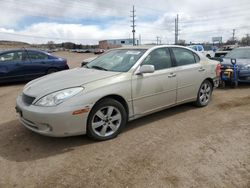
(44, 127)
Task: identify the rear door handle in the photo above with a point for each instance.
(171, 75)
(201, 69)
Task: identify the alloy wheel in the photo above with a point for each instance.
(106, 121)
(205, 93)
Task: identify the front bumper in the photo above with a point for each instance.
(52, 121)
(244, 76)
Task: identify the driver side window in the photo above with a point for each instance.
(160, 58)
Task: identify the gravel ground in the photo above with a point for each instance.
(183, 146)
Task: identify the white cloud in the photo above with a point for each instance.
(199, 20)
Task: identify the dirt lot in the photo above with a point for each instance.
(181, 147)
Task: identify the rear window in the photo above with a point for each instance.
(184, 56)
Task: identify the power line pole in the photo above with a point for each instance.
(157, 40)
(175, 34)
(248, 41)
(177, 28)
(133, 24)
(233, 35)
(176, 21)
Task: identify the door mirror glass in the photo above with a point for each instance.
(146, 69)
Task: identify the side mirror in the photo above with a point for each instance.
(86, 61)
(146, 69)
(233, 61)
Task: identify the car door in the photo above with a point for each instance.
(11, 65)
(189, 72)
(36, 63)
(153, 91)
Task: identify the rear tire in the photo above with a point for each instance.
(106, 120)
(204, 94)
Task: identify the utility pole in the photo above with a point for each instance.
(233, 35)
(176, 20)
(248, 41)
(139, 39)
(157, 40)
(133, 24)
(177, 28)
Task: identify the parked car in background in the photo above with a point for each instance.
(99, 51)
(242, 57)
(116, 87)
(221, 52)
(209, 51)
(27, 64)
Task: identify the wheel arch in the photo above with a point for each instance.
(117, 98)
(211, 81)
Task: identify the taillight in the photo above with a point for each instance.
(218, 69)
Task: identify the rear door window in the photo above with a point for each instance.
(184, 56)
(37, 55)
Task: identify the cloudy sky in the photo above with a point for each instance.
(87, 21)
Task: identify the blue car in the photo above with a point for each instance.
(28, 64)
(242, 57)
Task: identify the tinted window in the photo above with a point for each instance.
(160, 58)
(183, 56)
(12, 56)
(199, 48)
(37, 55)
(193, 47)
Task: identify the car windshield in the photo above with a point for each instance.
(239, 53)
(116, 60)
(193, 47)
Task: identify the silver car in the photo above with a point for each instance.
(121, 85)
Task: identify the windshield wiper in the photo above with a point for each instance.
(99, 68)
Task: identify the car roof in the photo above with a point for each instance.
(19, 49)
(147, 47)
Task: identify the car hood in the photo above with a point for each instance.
(65, 79)
(240, 62)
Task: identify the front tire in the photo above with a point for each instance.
(106, 120)
(204, 94)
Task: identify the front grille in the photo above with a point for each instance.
(28, 99)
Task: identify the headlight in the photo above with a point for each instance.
(58, 97)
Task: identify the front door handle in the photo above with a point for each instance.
(201, 69)
(171, 75)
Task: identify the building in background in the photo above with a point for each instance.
(114, 43)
